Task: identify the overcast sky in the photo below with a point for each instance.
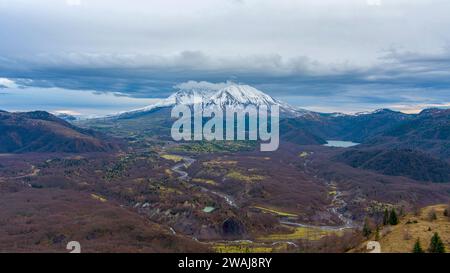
(325, 55)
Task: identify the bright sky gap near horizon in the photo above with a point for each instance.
(104, 56)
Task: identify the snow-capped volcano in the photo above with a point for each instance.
(238, 95)
(233, 95)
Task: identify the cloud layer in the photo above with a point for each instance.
(7, 83)
(355, 52)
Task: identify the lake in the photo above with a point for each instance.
(209, 209)
(341, 144)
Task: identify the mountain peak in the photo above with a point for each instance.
(240, 95)
(435, 111)
(190, 96)
(231, 95)
(378, 111)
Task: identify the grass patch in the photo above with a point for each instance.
(168, 190)
(243, 248)
(250, 247)
(276, 212)
(174, 158)
(98, 197)
(215, 163)
(299, 233)
(204, 181)
(303, 154)
(236, 175)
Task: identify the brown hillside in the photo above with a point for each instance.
(401, 238)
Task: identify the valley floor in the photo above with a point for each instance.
(165, 197)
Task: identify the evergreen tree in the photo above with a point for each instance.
(436, 244)
(393, 219)
(446, 212)
(377, 234)
(417, 247)
(366, 229)
(386, 217)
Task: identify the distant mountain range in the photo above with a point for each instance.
(384, 129)
(42, 132)
(428, 131)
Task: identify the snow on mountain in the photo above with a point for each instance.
(190, 96)
(182, 96)
(377, 111)
(233, 95)
(238, 95)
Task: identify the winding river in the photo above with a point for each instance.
(338, 202)
(187, 162)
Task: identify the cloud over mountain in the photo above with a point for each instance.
(7, 83)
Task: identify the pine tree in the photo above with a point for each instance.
(366, 229)
(393, 219)
(436, 244)
(417, 247)
(377, 234)
(386, 217)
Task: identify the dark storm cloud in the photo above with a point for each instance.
(354, 51)
(397, 75)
